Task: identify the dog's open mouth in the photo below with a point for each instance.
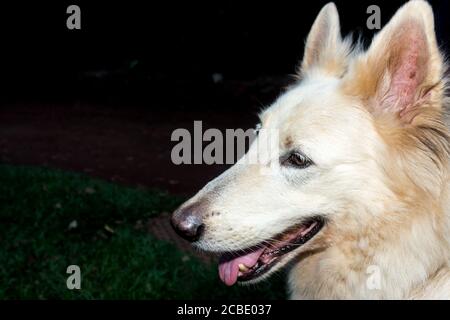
(253, 262)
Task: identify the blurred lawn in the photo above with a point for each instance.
(117, 260)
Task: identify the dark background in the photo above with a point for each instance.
(105, 99)
(169, 41)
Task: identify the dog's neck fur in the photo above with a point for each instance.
(392, 263)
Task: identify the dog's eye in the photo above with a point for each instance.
(297, 160)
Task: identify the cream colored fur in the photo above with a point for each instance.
(373, 123)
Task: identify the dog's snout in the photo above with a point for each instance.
(188, 223)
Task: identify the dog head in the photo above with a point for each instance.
(348, 133)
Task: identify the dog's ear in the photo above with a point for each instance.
(324, 48)
(402, 70)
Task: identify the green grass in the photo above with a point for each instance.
(117, 260)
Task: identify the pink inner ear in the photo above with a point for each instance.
(408, 70)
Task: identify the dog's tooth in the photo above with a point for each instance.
(242, 267)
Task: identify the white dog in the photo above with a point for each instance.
(358, 205)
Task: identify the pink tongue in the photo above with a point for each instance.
(229, 269)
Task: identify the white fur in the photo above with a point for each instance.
(348, 184)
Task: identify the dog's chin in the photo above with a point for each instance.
(254, 264)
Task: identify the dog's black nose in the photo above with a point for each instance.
(188, 223)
